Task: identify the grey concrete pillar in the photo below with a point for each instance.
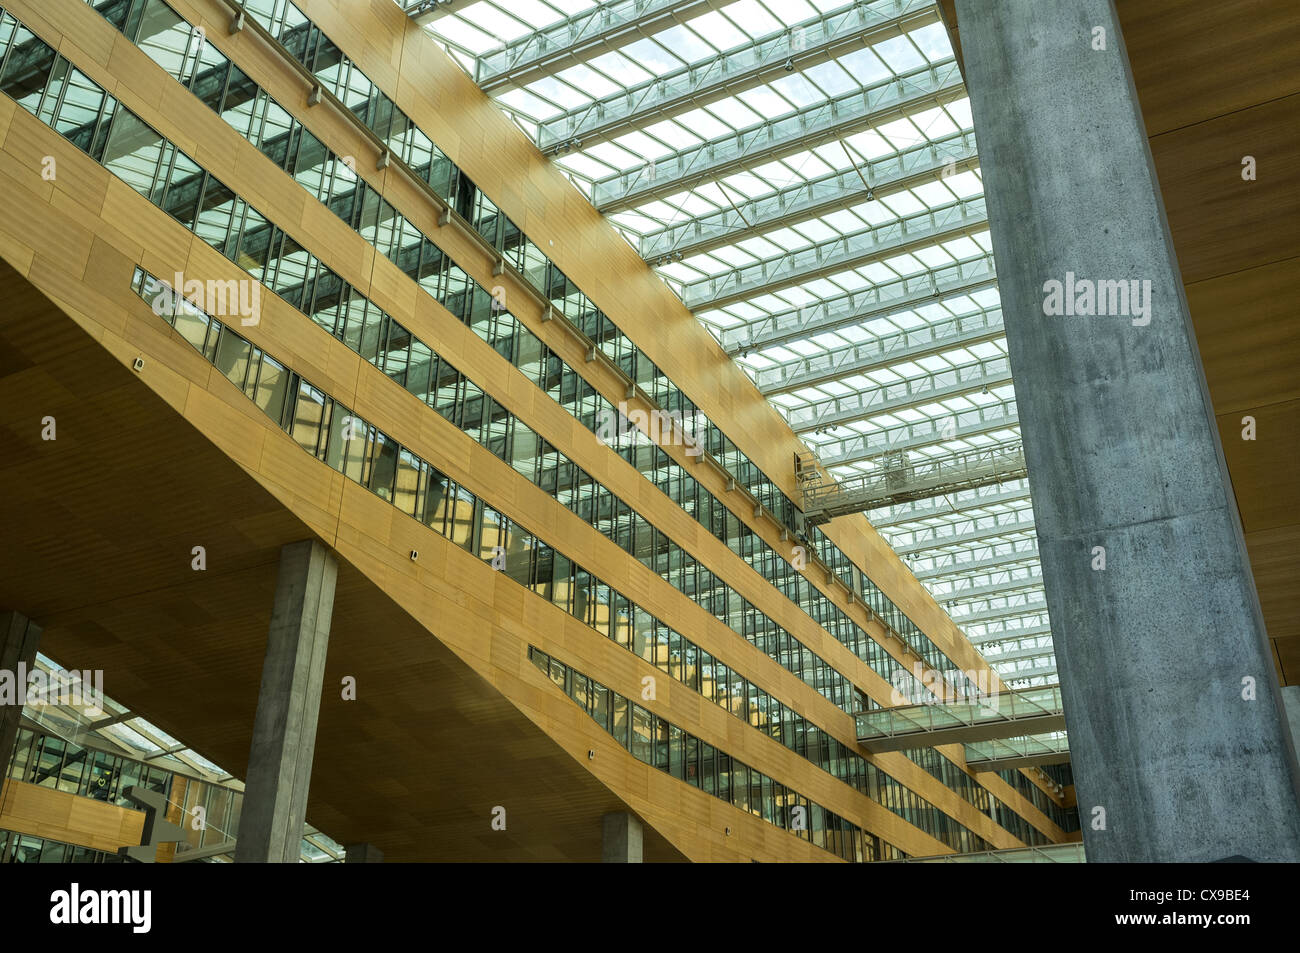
(284, 729)
(1174, 714)
(1291, 704)
(362, 854)
(19, 636)
(622, 839)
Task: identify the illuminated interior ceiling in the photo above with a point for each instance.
(803, 174)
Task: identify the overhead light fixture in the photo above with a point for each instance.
(789, 64)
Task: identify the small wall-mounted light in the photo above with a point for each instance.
(314, 97)
(444, 218)
(383, 160)
(630, 392)
(237, 24)
(415, 554)
(498, 267)
(591, 354)
(591, 754)
(137, 364)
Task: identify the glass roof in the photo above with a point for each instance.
(804, 175)
(113, 727)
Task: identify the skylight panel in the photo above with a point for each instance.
(850, 280)
(652, 56)
(933, 42)
(806, 348)
(686, 270)
(812, 395)
(734, 256)
(836, 389)
(902, 133)
(933, 194)
(836, 156)
(745, 311)
(809, 165)
(829, 340)
(751, 17)
(787, 239)
(960, 112)
(822, 288)
(963, 248)
(865, 67)
(491, 19)
(984, 240)
(621, 69)
(673, 134)
(707, 264)
(831, 78)
(935, 123)
(457, 31)
(559, 92)
(702, 126)
(532, 106)
(797, 297)
(844, 222)
(899, 52)
(903, 204)
(569, 8)
(770, 303)
(777, 173)
(615, 156)
(785, 400)
(933, 257)
(766, 102)
(589, 81)
(874, 212)
(870, 144)
(634, 222)
(721, 32)
(760, 247)
(987, 297)
(640, 144)
(663, 211)
(696, 205)
(686, 44)
(734, 113)
(799, 91)
(877, 274)
(721, 319)
(935, 362)
(816, 231)
(584, 166)
(905, 264)
(965, 184)
(985, 350)
(537, 15)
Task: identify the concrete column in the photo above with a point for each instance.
(19, 636)
(1291, 704)
(1174, 713)
(622, 839)
(284, 729)
(362, 854)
